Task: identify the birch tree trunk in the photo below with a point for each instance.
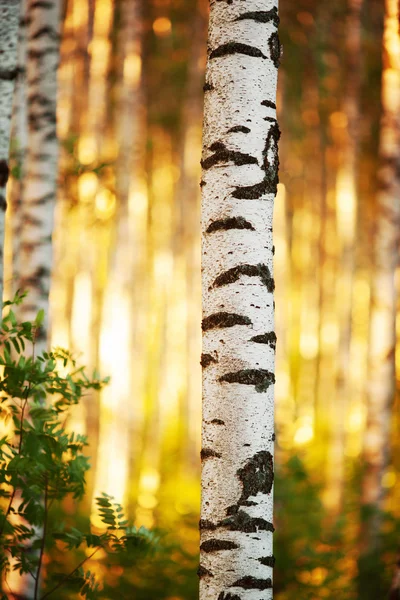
(240, 175)
(381, 385)
(9, 18)
(39, 189)
(19, 138)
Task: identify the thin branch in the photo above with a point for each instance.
(64, 579)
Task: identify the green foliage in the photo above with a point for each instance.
(319, 555)
(41, 464)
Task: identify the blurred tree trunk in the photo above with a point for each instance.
(19, 134)
(187, 240)
(240, 164)
(382, 381)
(40, 173)
(346, 206)
(120, 425)
(9, 18)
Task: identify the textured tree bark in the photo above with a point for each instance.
(40, 181)
(9, 18)
(19, 143)
(240, 175)
(381, 384)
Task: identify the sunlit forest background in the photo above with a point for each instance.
(126, 288)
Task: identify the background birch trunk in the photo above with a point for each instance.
(240, 164)
(19, 142)
(9, 18)
(347, 209)
(382, 380)
(40, 172)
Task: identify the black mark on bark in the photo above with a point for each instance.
(8, 74)
(4, 173)
(269, 104)
(241, 521)
(232, 275)
(251, 192)
(203, 572)
(206, 360)
(275, 49)
(229, 223)
(224, 319)
(260, 378)
(41, 4)
(236, 48)
(265, 338)
(218, 422)
(257, 475)
(43, 31)
(223, 155)
(217, 545)
(207, 87)
(239, 129)
(261, 16)
(3, 203)
(271, 164)
(268, 561)
(222, 595)
(208, 525)
(252, 583)
(208, 453)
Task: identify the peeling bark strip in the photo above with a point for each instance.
(9, 19)
(38, 196)
(239, 180)
(234, 274)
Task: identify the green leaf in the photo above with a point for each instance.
(39, 318)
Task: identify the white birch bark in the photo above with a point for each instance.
(40, 182)
(9, 18)
(240, 164)
(382, 380)
(19, 140)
